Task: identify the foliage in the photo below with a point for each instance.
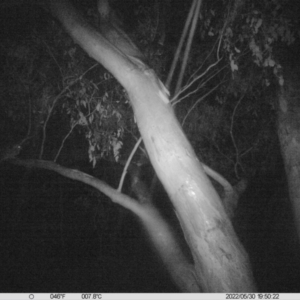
(235, 54)
(57, 94)
(51, 83)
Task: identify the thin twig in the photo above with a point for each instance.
(196, 103)
(233, 139)
(53, 105)
(65, 138)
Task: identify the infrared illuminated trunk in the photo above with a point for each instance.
(220, 262)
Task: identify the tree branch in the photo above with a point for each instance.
(159, 231)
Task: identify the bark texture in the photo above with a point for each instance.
(221, 264)
(289, 137)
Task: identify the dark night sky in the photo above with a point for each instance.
(76, 261)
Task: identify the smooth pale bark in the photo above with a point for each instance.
(221, 264)
(289, 137)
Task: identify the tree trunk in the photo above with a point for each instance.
(221, 264)
(289, 137)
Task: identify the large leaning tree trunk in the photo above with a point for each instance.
(221, 264)
(289, 137)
